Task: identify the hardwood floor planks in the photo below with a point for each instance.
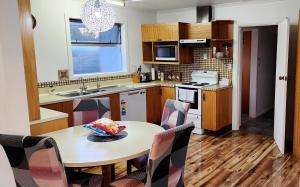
(235, 159)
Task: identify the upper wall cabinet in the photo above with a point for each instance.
(157, 36)
(199, 31)
(160, 32)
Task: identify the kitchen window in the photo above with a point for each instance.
(96, 53)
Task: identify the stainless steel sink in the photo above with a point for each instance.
(78, 93)
(93, 91)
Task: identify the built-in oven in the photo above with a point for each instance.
(189, 95)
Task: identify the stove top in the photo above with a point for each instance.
(192, 84)
(189, 83)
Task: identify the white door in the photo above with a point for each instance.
(281, 83)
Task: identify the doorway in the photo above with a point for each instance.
(258, 79)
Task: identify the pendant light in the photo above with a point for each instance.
(98, 16)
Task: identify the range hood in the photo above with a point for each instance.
(204, 15)
(195, 42)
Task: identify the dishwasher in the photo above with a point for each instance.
(133, 105)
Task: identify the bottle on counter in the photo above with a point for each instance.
(153, 73)
(162, 76)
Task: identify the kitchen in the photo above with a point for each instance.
(185, 53)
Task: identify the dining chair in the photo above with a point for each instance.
(90, 109)
(36, 161)
(6, 172)
(174, 115)
(166, 161)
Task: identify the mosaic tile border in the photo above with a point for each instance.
(88, 80)
(201, 63)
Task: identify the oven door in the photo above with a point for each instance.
(188, 95)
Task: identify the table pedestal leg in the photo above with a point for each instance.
(108, 172)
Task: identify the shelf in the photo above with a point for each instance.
(161, 62)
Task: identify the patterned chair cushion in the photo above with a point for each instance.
(36, 161)
(88, 110)
(166, 160)
(174, 114)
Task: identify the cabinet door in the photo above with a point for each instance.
(149, 33)
(160, 32)
(114, 106)
(153, 105)
(224, 108)
(65, 107)
(209, 110)
(167, 93)
(168, 32)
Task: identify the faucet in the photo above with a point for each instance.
(83, 87)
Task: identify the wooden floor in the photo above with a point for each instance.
(236, 159)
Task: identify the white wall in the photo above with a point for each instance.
(50, 34)
(186, 15)
(13, 108)
(266, 69)
(253, 73)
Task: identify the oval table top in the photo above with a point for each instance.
(77, 151)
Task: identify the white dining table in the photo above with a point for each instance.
(78, 152)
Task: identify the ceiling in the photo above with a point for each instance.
(173, 4)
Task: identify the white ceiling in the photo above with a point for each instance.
(173, 4)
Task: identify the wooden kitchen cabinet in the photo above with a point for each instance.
(160, 32)
(167, 93)
(114, 106)
(216, 109)
(199, 31)
(153, 105)
(67, 107)
(49, 126)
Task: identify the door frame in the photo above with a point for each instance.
(237, 70)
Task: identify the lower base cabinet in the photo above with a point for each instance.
(49, 126)
(67, 107)
(153, 105)
(216, 109)
(167, 93)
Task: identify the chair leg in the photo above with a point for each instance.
(129, 167)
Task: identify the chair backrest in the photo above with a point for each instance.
(35, 161)
(167, 157)
(174, 114)
(6, 173)
(87, 110)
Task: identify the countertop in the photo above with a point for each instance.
(216, 87)
(46, 98)
(49, 115)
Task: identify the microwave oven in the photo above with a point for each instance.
(166, 53)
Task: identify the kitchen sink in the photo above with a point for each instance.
(93, 91)
(78, 93)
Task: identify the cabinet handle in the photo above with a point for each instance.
(203, 96)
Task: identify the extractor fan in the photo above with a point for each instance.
(122, 2)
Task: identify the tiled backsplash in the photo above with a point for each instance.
(223, 66)
(70, 82)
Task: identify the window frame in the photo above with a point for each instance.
(124, 47)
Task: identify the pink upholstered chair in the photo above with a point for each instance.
(174, 114)
(88, 110)
(36, 161)
(166, 161)
(5, 170)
